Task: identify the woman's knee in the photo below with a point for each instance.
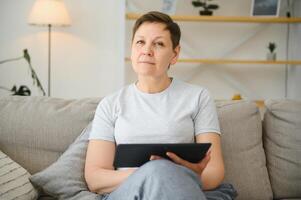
(161, 166)
(163, 176)
(165, 169)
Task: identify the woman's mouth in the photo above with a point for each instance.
(146, 62)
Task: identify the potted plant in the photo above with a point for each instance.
(23, 90)
(271, 55)
(207, 9)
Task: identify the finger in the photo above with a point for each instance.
(177, 159)
(208, 152)
(154, 157)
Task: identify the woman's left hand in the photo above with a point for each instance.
(196, 167)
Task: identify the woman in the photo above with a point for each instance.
(156, 109)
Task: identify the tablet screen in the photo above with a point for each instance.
(135, 155)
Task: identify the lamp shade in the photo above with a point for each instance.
(49, 12)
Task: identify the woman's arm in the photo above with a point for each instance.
(211, 169)
(214, 173)
(99, 171)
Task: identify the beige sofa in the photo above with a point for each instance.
(262, 157)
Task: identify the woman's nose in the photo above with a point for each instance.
(147, 50)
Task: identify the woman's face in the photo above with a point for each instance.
(152, 50)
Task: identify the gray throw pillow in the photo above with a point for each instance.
(64, 179)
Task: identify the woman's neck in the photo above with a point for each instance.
(153, 85)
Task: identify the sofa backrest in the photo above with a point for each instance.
(35, 131)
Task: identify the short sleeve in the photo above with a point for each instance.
(103, 122)
(206, 119)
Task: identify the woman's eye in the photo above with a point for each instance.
(160, 44)
(140, 42)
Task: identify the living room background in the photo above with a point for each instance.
(88, 57)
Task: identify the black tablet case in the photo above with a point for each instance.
(135, 155)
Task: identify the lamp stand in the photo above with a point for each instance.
(49, 59)
(50, 13)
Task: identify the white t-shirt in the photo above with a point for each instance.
(175, 115)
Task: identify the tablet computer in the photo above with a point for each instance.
(135, 155)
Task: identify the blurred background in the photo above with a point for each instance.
(89, 56)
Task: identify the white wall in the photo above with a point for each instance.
(87, 57)
(227, 40)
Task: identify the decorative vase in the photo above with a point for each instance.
(236, 97)
(271, 56)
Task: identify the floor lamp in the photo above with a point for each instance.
(49, 13)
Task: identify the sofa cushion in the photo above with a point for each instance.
(243, 151)
(64, 179)
(35, 131)
(282, 141)
(14, 182)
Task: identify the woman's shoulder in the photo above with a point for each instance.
(192, 88)
(118, 94)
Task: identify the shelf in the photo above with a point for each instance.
(226, 61)
(241, 19)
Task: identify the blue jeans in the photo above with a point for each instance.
(164, 180)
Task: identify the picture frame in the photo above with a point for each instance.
(265, 8)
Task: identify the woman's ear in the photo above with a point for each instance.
(176, 55)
